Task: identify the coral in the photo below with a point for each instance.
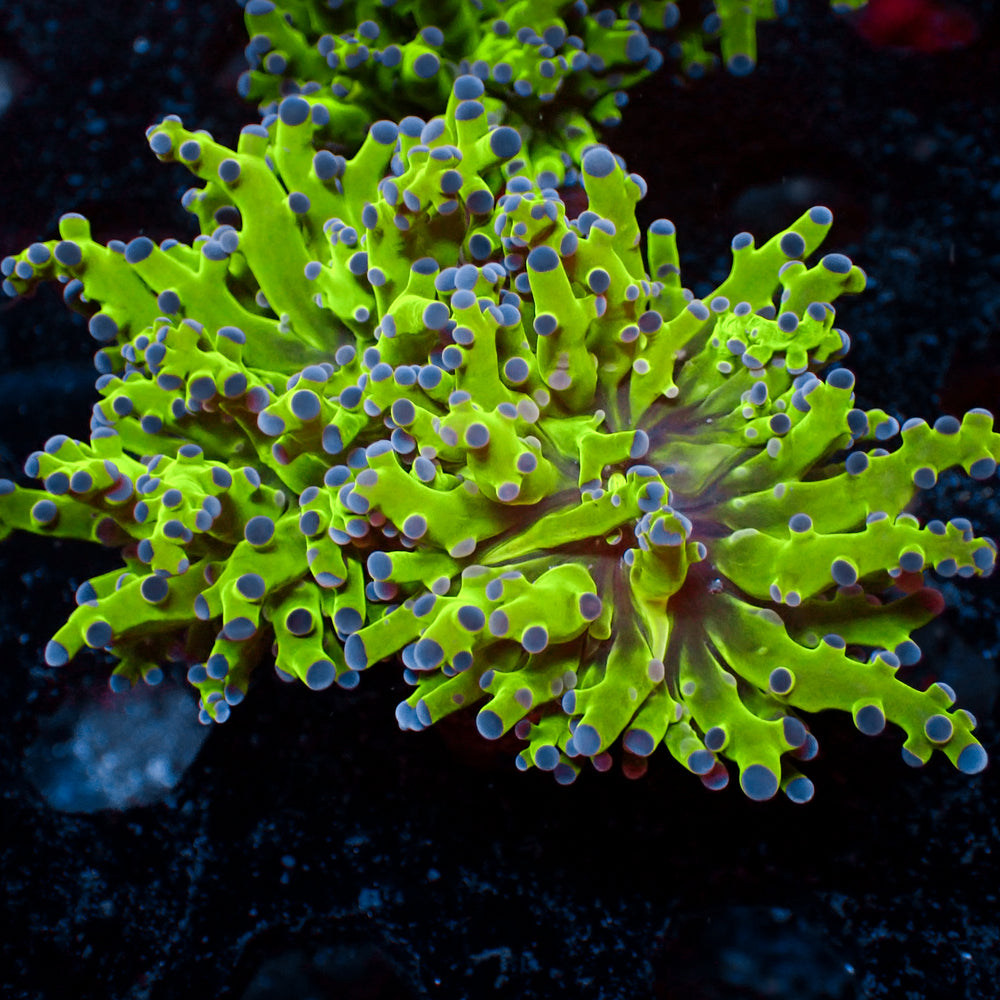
(732, 26)
(402, 404)
(556, 71)
(365, 60)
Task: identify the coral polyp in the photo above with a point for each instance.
(402, 405)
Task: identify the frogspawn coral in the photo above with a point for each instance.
(554, 70)
(557, 71)
(401, 404)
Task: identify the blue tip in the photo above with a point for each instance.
(639, 742)
(347, 620)
(406, 717)
(870, 720)
(759, 782)
(138, 250)
(98, 635)
(564, 774)
(489, 724)
(56, 654)
(587, 740)
(972, 759)
(355, 653)
(424, 713)
(380, 566)
(599, 162)
(320, 675)
(505, 142)
(800, 790)
(701, 761)
(427, 654)
(543, 259)
(293, 111)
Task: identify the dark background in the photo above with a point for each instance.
(312, 849)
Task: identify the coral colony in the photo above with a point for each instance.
(398, 404)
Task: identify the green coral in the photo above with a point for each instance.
(402, 404)
(556, 71)
(553, 70)
(731, 26)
